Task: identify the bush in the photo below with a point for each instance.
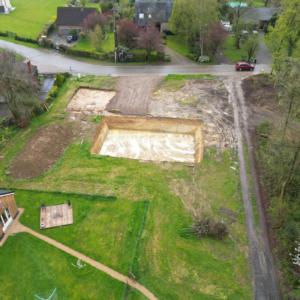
(63, 48)
(111, 25)
(168, 32)
(280, 212)
(207, 227)
(73, 32)
(7, 121)
(82, 35)
(191, 56)
(3, 33)
(139, 56)
(53, 92)
(105, 6)
(59, 80)
(205, 58)
(125, 55)
(160, 56)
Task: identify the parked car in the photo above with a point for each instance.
(244, 66)
(72, 38)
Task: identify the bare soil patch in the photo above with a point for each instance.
(204, 99)
(41, 151)
(90, 100)
(133, 95)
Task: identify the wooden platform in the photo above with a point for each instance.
(57, 215)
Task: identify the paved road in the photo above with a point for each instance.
(46, 88)
(263, 56)
(49, 61)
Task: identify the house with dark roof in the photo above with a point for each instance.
(157, 13)
(8, 210)
(260, 15)
(72, 18)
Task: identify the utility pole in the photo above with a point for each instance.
(202, 41)
(115, 31)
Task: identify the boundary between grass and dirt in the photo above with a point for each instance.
(17, 227)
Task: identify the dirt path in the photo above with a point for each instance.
(263, 269)
(18, 227)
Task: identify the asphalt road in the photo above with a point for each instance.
(50, 61)
(46, 88)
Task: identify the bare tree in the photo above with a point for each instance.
(17, 87)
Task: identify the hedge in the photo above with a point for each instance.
(139, 56)
(26, 40)
(3, 33)
(191, 56)
(48, 27)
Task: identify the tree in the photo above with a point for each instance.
(190, 16)
(18, 89)
(215, 37)
(238, 22)
(128, 33)
(149, 40)
(94, 19)
(96, 37)
(251, 45)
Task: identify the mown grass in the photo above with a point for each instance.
(232, 52)
(178, 43)
(12, 40)
(85, 44)
(170, 264)
(33, 266)
(29, 17)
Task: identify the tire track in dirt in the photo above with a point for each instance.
(263, 269)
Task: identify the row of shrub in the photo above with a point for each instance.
(3, 33)
(58, 82)
(26, 40)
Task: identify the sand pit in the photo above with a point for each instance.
(89, 100)
(156, 139)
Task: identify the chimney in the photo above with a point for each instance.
(29, 66)
(81, 8)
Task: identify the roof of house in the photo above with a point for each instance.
(4, 192)
(72, 16)
(155, 11)
(257, 14)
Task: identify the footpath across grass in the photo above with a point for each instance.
(33, 266)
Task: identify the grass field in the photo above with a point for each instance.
(232, 52)
(32, 267)
(29, 17)
(85, 44)
(169, 263)
(178, 44)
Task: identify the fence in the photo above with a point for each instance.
(131, 275)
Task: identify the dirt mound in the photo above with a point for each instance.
(41, 152)
(260, 92)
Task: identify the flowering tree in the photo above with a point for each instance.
(127, 33)
(149, 40)
(94, 19)
(215, 38)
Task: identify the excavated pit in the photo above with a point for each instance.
(156, 139)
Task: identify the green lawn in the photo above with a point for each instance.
(232, 52)
(12, 40)
(29, 17)
(169, 263)
(178, 44)
(32, 266)
(85, 44)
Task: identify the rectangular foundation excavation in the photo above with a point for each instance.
(156, 139)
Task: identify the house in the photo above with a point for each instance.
(8, 210)
(72, 18)
(157, 13)
(5, 7)
(260, 15)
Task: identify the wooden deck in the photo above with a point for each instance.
(57, 215)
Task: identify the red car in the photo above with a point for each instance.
(244, 66)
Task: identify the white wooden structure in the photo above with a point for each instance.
(5, 7)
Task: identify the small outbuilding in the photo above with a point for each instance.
(69, 18)
(8, 210)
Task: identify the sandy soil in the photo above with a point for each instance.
(41, 151)
(146, 145)
(89, 100)
(200, 99)
(133, 95)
